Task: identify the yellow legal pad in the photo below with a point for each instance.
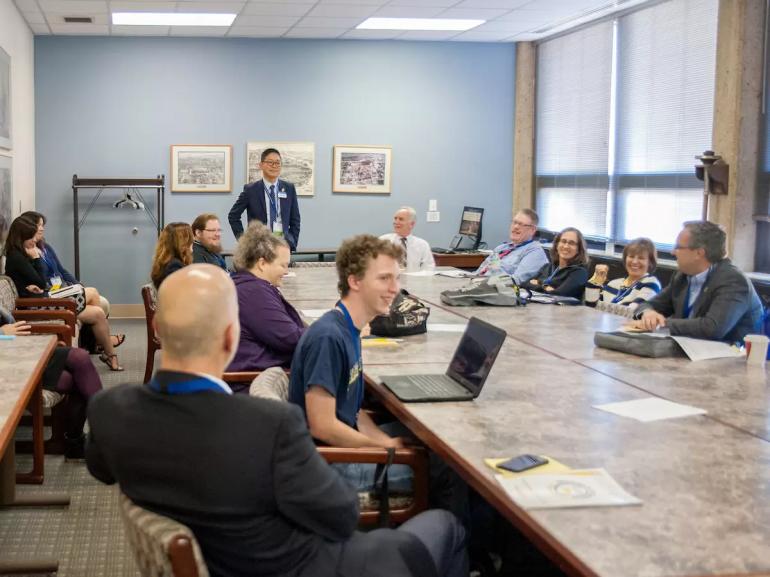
(379, 342)
(552, 466)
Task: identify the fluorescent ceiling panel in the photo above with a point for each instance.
(418, 24)
(171, 19)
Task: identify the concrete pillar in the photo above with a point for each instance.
(524, 127)
(736, 131)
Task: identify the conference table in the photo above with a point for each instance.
(704, 481)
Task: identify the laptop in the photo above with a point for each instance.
(467, 372)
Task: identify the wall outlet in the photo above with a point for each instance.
(433, 204)
(433, 216)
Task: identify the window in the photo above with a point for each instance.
(656, 114)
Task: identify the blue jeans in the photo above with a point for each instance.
(360, 476)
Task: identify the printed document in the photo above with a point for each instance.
(584, 488)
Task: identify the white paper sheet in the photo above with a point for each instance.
(313, 313)
(290, 274)
(445, 328)
(702, 350)
(584, 488)
(650, 409)
(455, 273)
(420, 273)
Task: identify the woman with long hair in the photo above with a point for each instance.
(25, 265)
(567, 273)
(173, 251)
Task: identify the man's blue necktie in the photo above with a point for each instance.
(273, 206)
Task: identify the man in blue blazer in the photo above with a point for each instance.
(261, 200)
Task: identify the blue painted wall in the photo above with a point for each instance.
(113, 106)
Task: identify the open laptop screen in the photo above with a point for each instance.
(475, 354)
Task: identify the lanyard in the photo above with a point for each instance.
(356, 336)
(49, 262)
(506, 252)
(550, 276)
(186, 387)
(626, 291)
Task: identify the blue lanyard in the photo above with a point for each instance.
(626, 291)
(186, 387)
(49, 263)
(355, 334)
(550, 277)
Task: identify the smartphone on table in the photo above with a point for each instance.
(523, 463)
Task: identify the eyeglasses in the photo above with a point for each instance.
(568, 242)
(521, 224)
(680, 247)
(273, 163)
(212, 230)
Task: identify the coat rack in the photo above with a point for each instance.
(132, 196)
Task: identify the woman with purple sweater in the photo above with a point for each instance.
(270, 326)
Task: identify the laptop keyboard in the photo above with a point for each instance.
(433, 385)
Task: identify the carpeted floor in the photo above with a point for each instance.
(86, 537)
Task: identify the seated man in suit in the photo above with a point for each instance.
(522, 257)
(270, 200)
(416, 251)
(709, 298)
(327, 374)
(243, 473)
(207, 240)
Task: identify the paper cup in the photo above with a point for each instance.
(756, 349)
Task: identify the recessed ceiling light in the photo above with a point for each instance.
(418, 24)
(170, 19)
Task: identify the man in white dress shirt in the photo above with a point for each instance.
(417, 253)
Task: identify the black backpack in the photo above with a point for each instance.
(408, 316)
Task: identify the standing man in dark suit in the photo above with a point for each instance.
(261, 200)
(243, 473)
(708, 298)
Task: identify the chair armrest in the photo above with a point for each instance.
(414, 457)
(68, 317)
(63, 331)
(68, 304)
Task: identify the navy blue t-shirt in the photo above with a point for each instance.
(326, 357)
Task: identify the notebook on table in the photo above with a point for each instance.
(466, 374)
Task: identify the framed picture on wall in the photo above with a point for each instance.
(363, 169)
(297, 163)
(6, 193)
(201, 168)
(5, 99)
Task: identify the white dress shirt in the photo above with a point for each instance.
(418, 253)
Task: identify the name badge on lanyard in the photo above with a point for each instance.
(282, 194)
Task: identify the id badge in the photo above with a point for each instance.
(282, 194)
(55, 282)
(278, 228)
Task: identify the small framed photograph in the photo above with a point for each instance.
(362, 169)
(297, 163)
(6, 195)
(201, 168)
(5, 100)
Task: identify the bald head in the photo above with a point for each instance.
(197, 314)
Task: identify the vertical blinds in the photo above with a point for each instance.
(662, 93)
(572, 129)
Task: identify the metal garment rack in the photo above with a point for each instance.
(129, 185)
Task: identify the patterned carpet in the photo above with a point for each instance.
(86, 537)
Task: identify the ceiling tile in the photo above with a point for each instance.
(74, 7)
(407, 12)
(142, 6)
(319, 22)
(434, 3)
(276, 9)
(315, 32)
(210, 7)
(355, 2)
(27, 5)
(40, 29)
(199, 30)
(81, 29)
(503, 26)
(342, 11)
(499, 4)
(34, 17)
(475, 14)
(483, 36)
(139, 30)
(533, 16)
(257, 31)
(282, 2)
(372, 34)
(428, 35)
(266, 21)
